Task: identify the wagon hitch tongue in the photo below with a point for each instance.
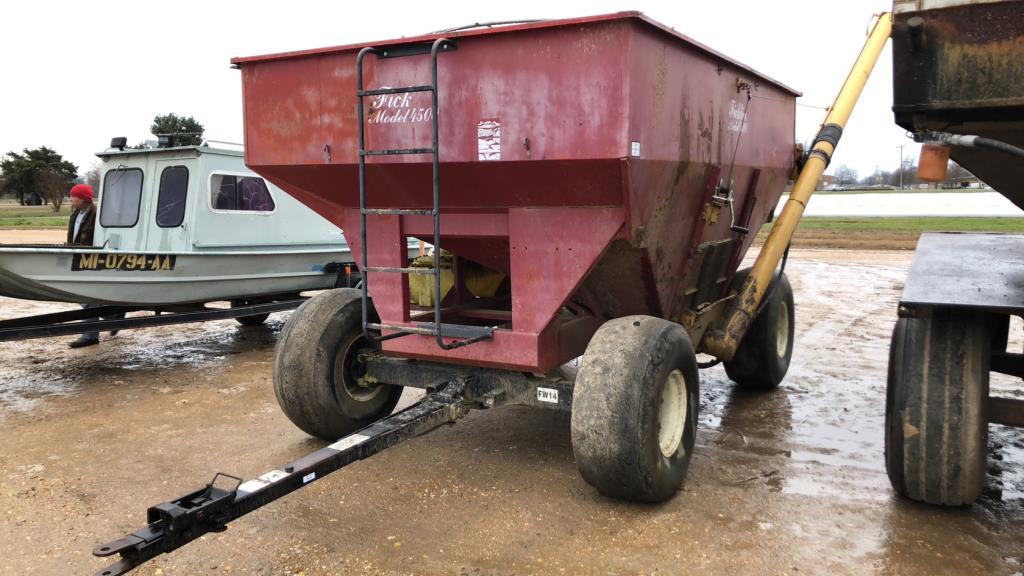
(173, 524)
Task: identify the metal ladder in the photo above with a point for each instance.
(465, 334)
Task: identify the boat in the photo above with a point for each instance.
(180, 225)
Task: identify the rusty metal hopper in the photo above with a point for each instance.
(607, 165)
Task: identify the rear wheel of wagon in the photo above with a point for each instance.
(762, 358)
(318, 372)
(634, 415)
(936, 422)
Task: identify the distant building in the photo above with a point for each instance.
(968, 181)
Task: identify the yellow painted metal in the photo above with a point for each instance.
(421, 286)
(723, 340)
(479, 281)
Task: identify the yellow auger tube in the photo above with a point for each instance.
(722, 341)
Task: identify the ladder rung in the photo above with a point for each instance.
(429, 271)
(397, 212)
(402, 328)
(396, 151)
(400, 90)
(463, 331)
(447, 330)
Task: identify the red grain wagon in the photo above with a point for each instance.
(606, 173)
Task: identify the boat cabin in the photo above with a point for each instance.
(195, 199)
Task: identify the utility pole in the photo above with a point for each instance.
(901, 165)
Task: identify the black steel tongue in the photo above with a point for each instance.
(174, 524)
(182, 520)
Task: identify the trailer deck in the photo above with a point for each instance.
(978, 271)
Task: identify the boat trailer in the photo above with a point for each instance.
(111, 318)
(452, 391)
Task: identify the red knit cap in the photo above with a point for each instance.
(83, 191)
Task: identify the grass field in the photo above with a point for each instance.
(916, 224)
(905, 191)
(893, 232)
(15, 216)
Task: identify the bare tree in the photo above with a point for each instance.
(845, 176)
(92, 176)
(909, 170)
(876, 178)
(52, 185)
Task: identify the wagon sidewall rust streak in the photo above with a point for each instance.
(617, 407)
(317, 341)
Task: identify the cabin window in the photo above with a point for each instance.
(236, 193)
(122, 193)
(170, 201)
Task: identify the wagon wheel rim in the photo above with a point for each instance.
(672, 414)
(350, 371)
(782, 330)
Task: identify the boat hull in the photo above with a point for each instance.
(50, 274)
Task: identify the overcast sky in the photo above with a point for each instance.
(75, 74)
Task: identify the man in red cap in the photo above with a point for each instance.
(83, 216)
(81, 228)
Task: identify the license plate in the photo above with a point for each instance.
(140, 262)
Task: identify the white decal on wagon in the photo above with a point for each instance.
(549, 395)
(488, 140)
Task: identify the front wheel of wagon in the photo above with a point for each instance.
(936, 423)
(634, 415)
(318, 371)
(762, 358)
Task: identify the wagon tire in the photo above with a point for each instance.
(936, 422)
(634, 414)
(317, 369)
(762, 358)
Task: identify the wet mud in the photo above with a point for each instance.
(786, 482)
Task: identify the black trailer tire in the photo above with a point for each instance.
(316, 368)
(634, 414)
(936, 421)
(254, 320)
(762, 358)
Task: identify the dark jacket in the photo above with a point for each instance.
(86, 230)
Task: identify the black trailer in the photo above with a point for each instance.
(958, 80)
(113, 318)
(250, 311)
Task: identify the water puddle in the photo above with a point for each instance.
(35, 370)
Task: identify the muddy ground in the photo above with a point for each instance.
(789, 482)
(32, 236)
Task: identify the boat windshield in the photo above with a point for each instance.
(119, 203)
